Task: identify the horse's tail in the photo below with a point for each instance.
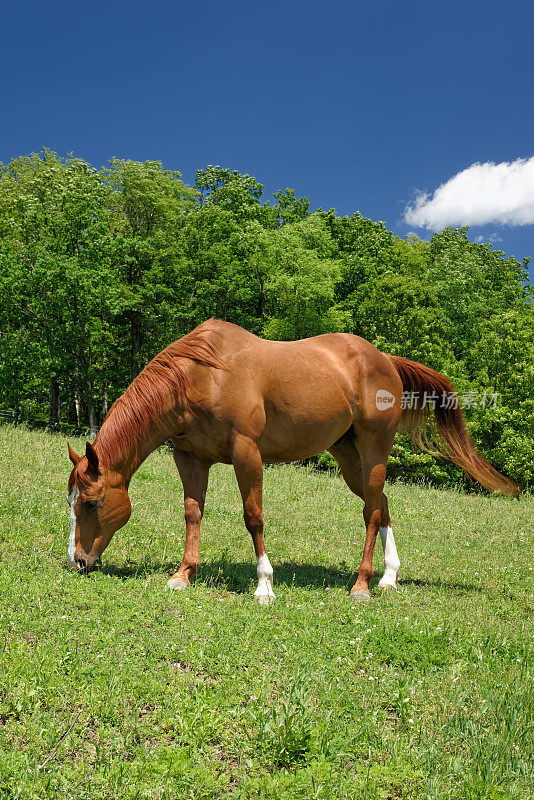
(427, 392)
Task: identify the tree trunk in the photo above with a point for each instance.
(104, 401)
(53, 417)
(91, 412)
(78, 409)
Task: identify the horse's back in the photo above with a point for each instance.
(327, 361)
(297, 398)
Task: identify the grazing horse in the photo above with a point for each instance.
(221, 394)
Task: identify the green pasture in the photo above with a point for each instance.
(111, 686)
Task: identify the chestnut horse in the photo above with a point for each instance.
(221, 394)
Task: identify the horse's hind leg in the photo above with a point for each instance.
(248, 468)
(391, 558)
(348, 457)
(194, 477)
(374, 448)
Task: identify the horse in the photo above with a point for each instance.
(222, 394)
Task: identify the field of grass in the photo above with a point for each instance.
(111, 686)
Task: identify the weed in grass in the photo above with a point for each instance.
(405, 646)
(282, 731)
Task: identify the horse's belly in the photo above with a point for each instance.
(299, 431)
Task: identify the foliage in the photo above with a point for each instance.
(99, 270)
(58, 278)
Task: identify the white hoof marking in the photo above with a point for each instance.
(177, 583)
(265, 599)
(391, 559)
(264, 593)
(387, 583)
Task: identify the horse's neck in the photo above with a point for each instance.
(125, 443)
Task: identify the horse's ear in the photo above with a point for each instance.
(92, 456)
(73, 455)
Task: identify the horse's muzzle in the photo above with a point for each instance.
(88, 565)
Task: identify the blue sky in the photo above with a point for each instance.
(358, 106)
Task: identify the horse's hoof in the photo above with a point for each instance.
(392, 587)
(264, 599)
(178, 583)
(360, 596)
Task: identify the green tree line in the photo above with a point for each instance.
(101, 269)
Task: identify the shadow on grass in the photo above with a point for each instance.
(459, 586)
(240, 576)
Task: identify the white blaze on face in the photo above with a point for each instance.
(265, 579)
(391, 559)
(73, 497)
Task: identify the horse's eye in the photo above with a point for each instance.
(90, 503)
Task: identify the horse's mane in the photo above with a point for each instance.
(161, 382)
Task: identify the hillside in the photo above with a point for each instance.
(426, 693)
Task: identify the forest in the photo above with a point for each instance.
(100, 269)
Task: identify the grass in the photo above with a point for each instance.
(113, 687)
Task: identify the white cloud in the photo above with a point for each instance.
(481, 194)
(491, 237)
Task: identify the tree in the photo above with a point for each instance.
(57, 276)
(300, 282)
(101, 270)
(504, 360)
(238, 194)
(149, 205)
(289, 208)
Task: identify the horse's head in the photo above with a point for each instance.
(99, 506)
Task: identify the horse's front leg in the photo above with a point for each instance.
(248, 468)
(194, 476)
